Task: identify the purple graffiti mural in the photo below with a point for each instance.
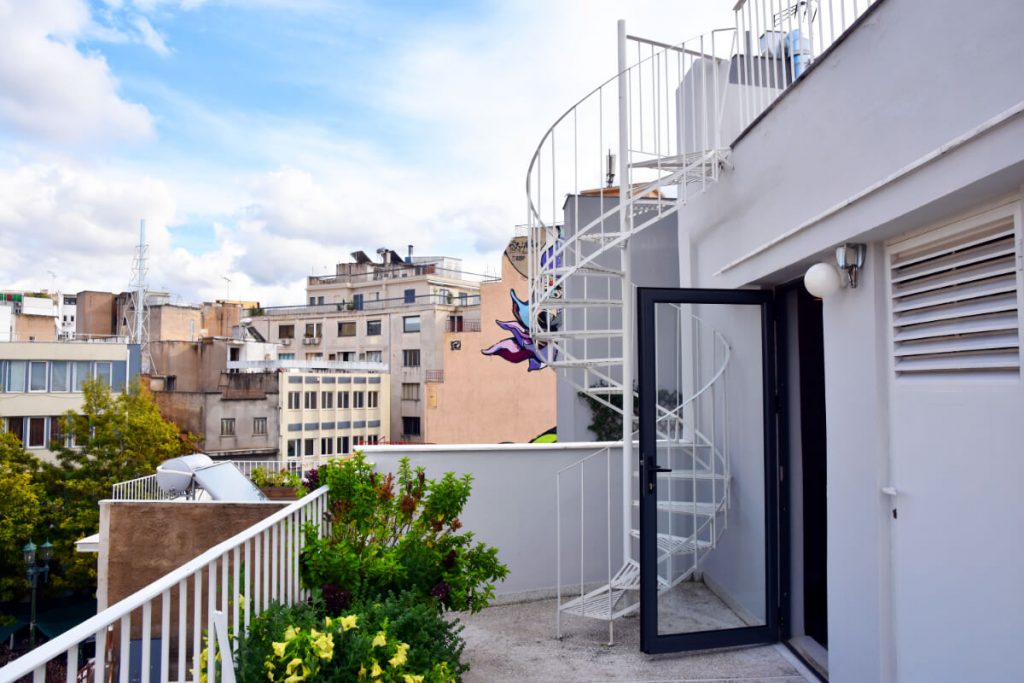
(520, 346)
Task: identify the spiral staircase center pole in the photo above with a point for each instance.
(625, 218)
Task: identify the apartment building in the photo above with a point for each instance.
(395, 311)
(327, 411)
(29, 316)
(40, 381)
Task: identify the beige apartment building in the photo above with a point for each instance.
(40, 381)
(394, 311)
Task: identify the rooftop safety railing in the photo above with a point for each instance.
(166, 621)
(396, 272)
(312, 364)
(372, 305)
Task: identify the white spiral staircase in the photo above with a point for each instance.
(624, 158)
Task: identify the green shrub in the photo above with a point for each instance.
(396, 640)
(394, 535)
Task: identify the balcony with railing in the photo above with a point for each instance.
(393, 303)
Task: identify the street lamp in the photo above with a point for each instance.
(36, 563)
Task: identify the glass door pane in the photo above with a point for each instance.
(707, 515)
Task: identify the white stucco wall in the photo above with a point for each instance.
(512, 506)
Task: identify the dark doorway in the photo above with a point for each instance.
(813, 444)
(804, 453)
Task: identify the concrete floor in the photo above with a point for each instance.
(516, 642)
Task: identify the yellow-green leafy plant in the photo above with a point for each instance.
(288, 645)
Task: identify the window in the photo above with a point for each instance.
(410, 391)
(411, 426)
(463, 299)
(286, 331)
(37, 375)
(19, 376)
(326, 446)
(310, 448)
(314, 329)
(294, 400)
(57, 436)
(60, 371)
(314, 356)
(104, 373)
(327, 400)
(410, 296)
(348, 356)
(310, 400)
(16, 426)
(372, 398)
(294, 448)
(372, 328)
(455, 323)
(358, 440)
(372, 439)
(343, 400)
(36, 432)
(357, 302)
(347, 329)
(319, 301)
(83, 370)
(411, 358)
(286, 356)
(374, 356)
(357, 399)
(342, 445)
(234, 353)
(259, 426)
(312, 301)
(171, 382)
(411, 323)
(227, 426)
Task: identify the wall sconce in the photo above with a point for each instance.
(823, 279)
(850, 257)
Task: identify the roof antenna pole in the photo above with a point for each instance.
(139, 332)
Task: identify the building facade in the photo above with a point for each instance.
(394, 312)
(40, 381)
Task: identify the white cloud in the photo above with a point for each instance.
(49, 88)
(150, 37)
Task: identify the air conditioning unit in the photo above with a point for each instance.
(307, 341)
(286, 342)
(315, 341)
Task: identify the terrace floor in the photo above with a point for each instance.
(516, 642)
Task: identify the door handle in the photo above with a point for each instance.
(653, 473)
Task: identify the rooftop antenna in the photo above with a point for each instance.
(610, 174)
(227, 293)
(138, 333)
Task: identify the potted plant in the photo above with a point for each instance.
(280, 485)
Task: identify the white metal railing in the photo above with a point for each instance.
(239, 577)
(146, 488)
(141, 488)
(312, 364)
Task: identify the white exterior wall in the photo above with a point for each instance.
(933, 595)
(512, 507)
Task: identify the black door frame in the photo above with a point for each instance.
(650, 641)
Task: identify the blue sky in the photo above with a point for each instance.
(266, 139)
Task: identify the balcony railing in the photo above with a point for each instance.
(239, 578)
(373, 305)
(434, 377)
(398, 272)
(313, 364)
(462, 326)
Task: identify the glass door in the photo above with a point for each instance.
(707, 472)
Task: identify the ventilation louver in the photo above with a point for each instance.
(954, 303)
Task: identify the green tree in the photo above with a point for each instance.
(117, 438)
(19, 513)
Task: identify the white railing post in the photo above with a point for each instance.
(625, 219)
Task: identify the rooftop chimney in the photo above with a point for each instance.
(408, 259)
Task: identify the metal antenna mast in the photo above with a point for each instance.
(139, 332)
